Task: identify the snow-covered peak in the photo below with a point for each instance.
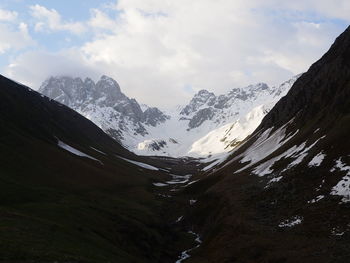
(106, 78)
(144, 107)
(89, 81)
(256, 87)
(104, 103)
(107, 83)
(200, 99)
(206, 106)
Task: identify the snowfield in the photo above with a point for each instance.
(225, 137)
(142, 165)
(343, 186)
(267, 143)
(317, 160)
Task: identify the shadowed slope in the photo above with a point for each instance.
(284, 194)
(65, 196)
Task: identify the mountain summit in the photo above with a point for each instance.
(104, 104)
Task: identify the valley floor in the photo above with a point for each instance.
(176, 203)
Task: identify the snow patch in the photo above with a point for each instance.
(191, 183)
(343, 186)
(265, 168)
(213, 164)
(295, 220)
(265, 145)
(316, 199)
(275, 180)
(301, 153)
(98, 150)
(337, 232)
(75, 151)
(297, 152)
(142, 165)
(193, 201)
(160, 184)
(317, 160)
(179, 219)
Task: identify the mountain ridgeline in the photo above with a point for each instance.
(103, 103)
(174, 133)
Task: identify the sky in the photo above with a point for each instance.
(163, 51)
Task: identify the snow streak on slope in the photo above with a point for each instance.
(75, 151)
(142, 165)
(297, 153)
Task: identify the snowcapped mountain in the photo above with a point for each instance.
(104, 104)
(207, 125)
(211, 124)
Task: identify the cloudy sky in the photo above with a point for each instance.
(162, 51)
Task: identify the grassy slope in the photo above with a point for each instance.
(56, 206)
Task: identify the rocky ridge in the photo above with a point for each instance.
(104, 104)
(181, 132)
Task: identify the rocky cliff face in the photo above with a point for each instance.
(104, 104)
(206, 106)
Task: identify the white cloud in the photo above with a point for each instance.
(50, 20)
(8, 16)
(156, 49)
(159, 47)
(100, 20)
(14, 38)
(68, 62)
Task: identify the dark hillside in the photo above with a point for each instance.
(57, 206)
(283, 196)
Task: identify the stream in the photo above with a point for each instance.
(177, 182)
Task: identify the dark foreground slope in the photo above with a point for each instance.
(284, 195)
(57, 206)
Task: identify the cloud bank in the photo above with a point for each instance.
(162, 51)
